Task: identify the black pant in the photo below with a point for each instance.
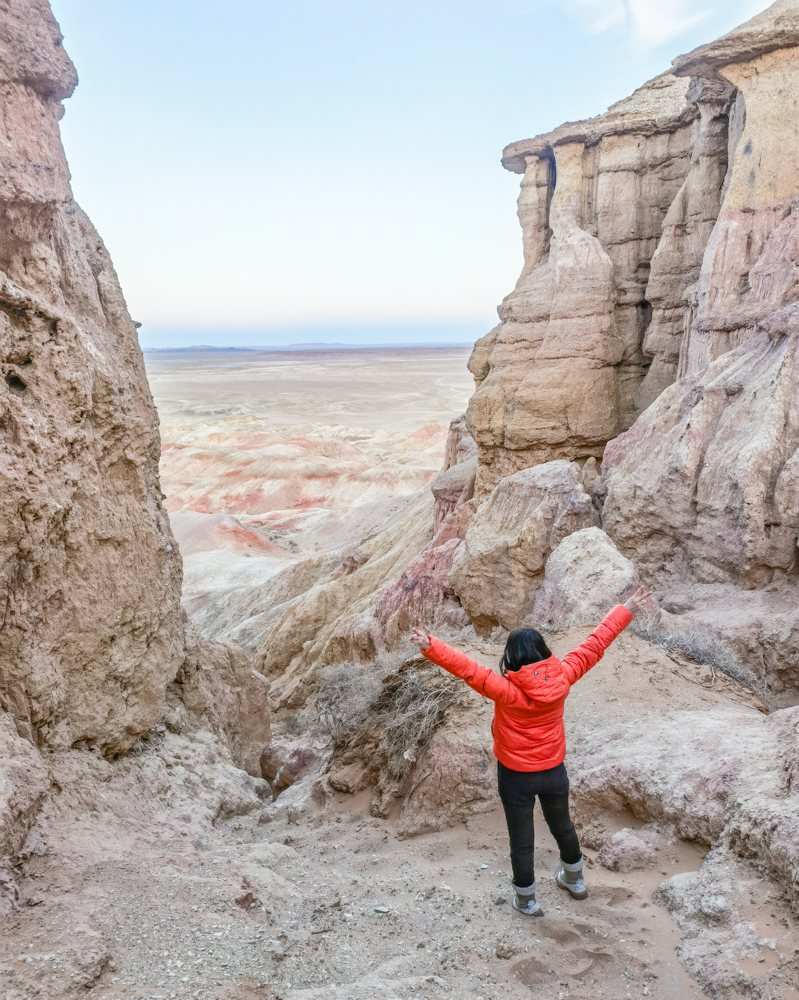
(518, 790)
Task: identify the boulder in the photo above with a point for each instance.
(628, 850)
(455, 779)
(510, 538)
(272, 758)
(298, 763)
(282, 766)
(585, 577)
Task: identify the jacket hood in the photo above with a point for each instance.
(535, 679)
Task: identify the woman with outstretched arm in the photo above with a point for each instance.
(529, 739)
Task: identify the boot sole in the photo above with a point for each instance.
(574, 895)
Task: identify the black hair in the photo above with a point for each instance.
(524, 645)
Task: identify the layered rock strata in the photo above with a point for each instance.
(366, 598)
(615, 214)
(701, 490)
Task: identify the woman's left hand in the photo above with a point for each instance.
(636, 605)
(419, 637)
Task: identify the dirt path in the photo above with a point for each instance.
(169, 875)
(335, 907)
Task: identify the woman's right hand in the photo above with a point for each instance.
(636, 605)
(419, 637)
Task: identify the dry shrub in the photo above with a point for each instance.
(412, 706)
(345, 696)
(453, 635)
(385, 724)
(697, 647)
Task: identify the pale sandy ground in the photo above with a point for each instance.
(340, 907)
(131, 885)
(398, 389)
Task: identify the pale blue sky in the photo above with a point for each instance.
(278, 171)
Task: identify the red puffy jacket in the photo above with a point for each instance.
(528, 713)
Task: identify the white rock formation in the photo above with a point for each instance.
(585, 577)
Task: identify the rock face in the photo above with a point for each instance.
(700, 491)
(653, 328)
(23, 783)
(585, 577)
(703, 486)
(615, 213)
(92, 631)
(94, 645)
(217, 690)
(510, 537)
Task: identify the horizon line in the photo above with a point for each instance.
(318, 346)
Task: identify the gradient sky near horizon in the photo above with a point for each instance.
(284, 171)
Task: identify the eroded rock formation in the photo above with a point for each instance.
(585, 577)
(510, 538)
(701, 490)
(653, 330)
(92, 632)
(615, 214)
(81, 661)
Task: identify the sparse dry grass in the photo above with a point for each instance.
(410, 711)
(457, 635)
(385, 718)
(346, 694)
(697, 647)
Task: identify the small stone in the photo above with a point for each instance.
(499, 899)
(382, 909)
(483, 867)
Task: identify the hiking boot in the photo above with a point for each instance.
(570, 878)
(524, 901)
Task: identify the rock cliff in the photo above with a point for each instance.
(91, 575)
(701, 490)
(615, 215)
(652, 329)
(92, 630)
